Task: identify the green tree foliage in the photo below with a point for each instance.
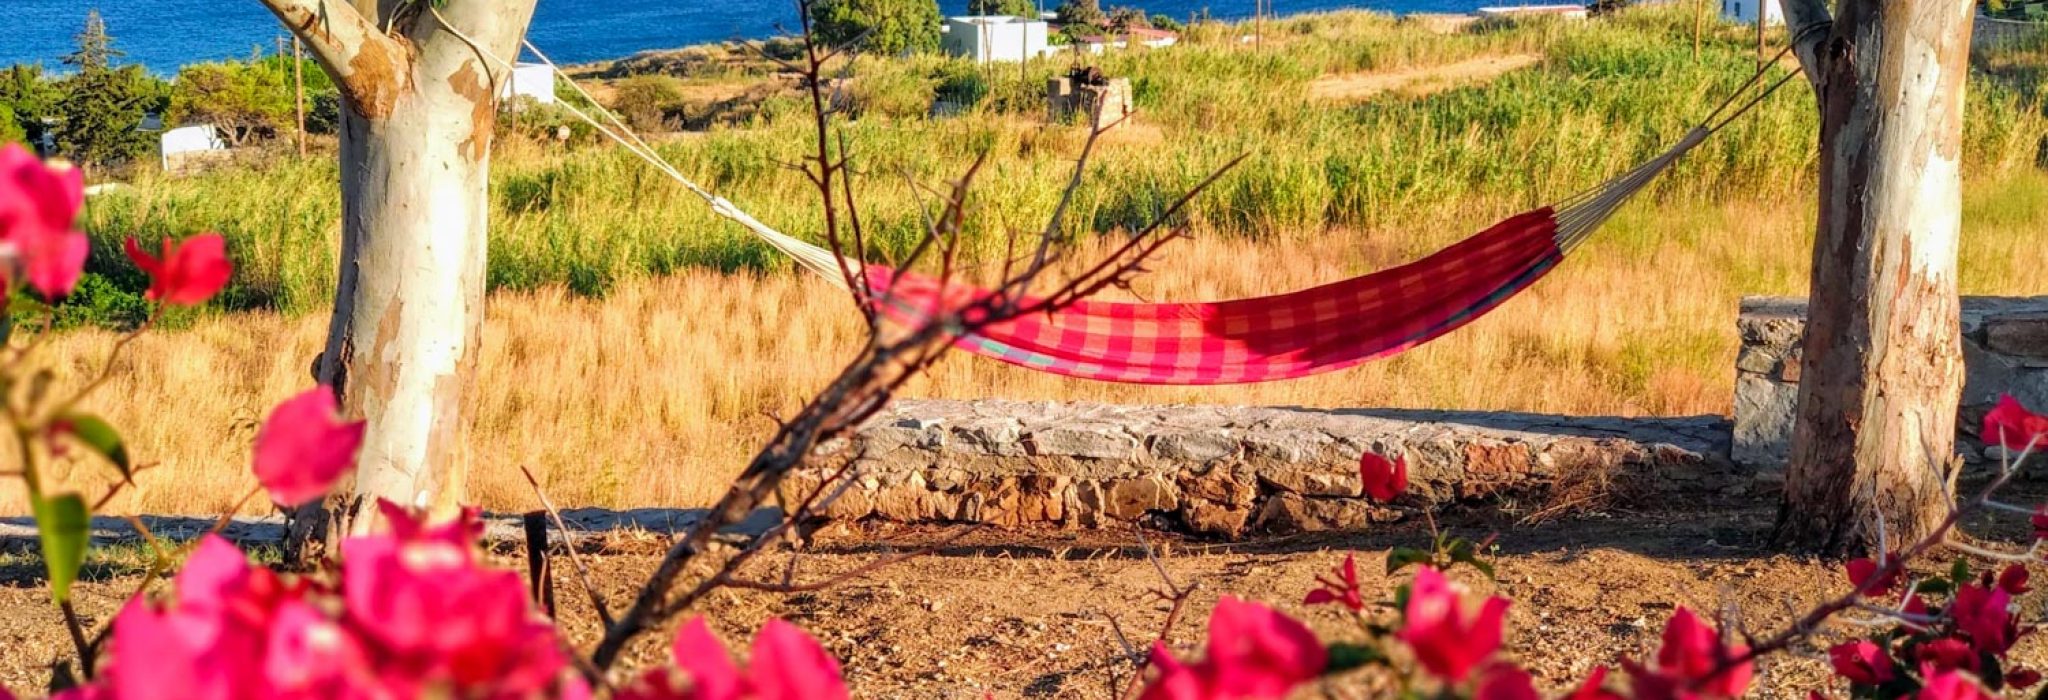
(1081, 13)
(248, 100)
(1013, 8)
(1126, 18)
(10, 127)
(886, 27)
(29, 97)
(103, 105)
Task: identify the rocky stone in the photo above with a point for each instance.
(1495, 461)
(1195, 447)
(1314, 480)
(1221, 485)
(1290, 513)
(2018, 335)
(1756, 360)
(1130, 499)
(1089, 441)
(995, 436)
(1215, 520)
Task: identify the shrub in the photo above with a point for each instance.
(883, 27)
(646, 101)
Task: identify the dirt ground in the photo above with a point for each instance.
(1419, 81)
(1035, 615)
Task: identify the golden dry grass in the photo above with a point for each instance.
(656, 394)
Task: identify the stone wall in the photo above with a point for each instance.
(1231, 471)
(2005, 350)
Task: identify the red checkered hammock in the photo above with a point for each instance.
(1263, 339)
(1285, 336)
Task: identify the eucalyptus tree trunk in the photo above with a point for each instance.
(419, 86)
(1882, 368)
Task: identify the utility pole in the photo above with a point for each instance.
(1762, 13)
(299, 89)
(1259, 26)
(1699, 23)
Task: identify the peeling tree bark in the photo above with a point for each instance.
(1882, 368)
(420, 107)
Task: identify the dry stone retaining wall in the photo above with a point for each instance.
(2005, 350)
(1232, 471)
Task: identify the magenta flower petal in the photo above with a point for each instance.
(304, 448)
(788, 665)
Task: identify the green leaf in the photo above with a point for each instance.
(66, 530)
(102, 438)
(1403, 557)
(1465, 555)
(1345, 657)
(1933, 586)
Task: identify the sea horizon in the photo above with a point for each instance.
(163, 35)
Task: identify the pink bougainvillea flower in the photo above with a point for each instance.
(1947, 654)
(1384, 479)
(1861, 570)
(189, 273)
(1690, 663)
(784, 664)
(399, 589)
(203, 644)
(787, 664)
(38, 211)
(1343, 590)
(1949, 685)
(2022, 678)
(1862, 662)
(304, 448)
(2040, 522)
(1505, 682)
(2013, 580)
(1985, 614)
(2013, 427)
(1447, 642)
(1595, 687)
(1254, 653)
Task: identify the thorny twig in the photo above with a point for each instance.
(1887, 567)
(1176, 595)
(597, 601)
(867, 382)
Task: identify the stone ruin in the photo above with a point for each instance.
(1086, 91)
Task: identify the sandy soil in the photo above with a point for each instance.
(1419, 81)
(1035, 614)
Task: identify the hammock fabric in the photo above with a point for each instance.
(1286, 336)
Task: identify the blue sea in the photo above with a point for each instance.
(164, 34)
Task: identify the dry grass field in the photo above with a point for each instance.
(656, 393)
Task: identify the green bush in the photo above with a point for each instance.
(883, 27)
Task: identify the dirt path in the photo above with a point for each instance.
(1421, 80)
(1034, 615)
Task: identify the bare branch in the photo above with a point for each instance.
(597, 601)
(360, 58)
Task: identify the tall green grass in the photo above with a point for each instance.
(1609, 94)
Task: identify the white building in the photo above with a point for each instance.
(1744, 11)
(532, 80)
(187, 143)
(995, 38)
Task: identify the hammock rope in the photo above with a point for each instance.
(1286, 336)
